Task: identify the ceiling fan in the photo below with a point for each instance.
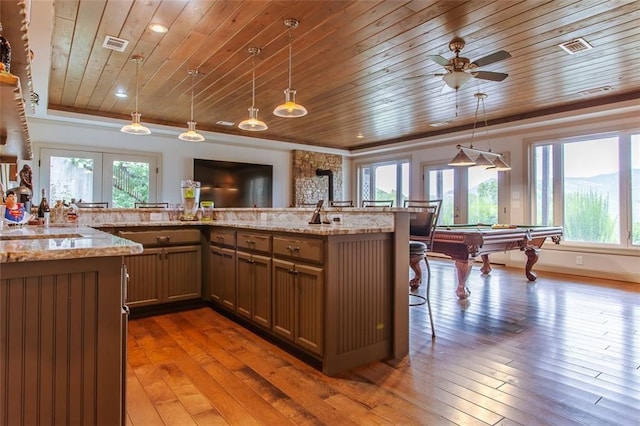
(460, 69)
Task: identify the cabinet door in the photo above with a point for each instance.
(182, 272)
(309, 328)
(298, 294)
(284, 299)
(144, 278)
(254, 288)
(223, 276)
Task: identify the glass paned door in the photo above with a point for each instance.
(72, 174)
(132, 180)
(440, 186)
(635, 189)
(482, 195)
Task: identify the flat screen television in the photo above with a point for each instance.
(231, 184)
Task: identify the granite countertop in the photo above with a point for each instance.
(34, 243)
(302, 228)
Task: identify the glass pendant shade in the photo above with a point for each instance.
(252, 124)
(462, 159)
(482, 160)
(191, 135)
(500, 165)
(135, 128)
(456, 79)
(290, 108)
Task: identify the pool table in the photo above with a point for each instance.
(463, 243)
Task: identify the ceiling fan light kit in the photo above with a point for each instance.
(290, 109)
(135, 128)
(191, 135)
(252, 124)
(460, 69)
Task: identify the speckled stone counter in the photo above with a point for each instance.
(34, 243)
(340, 221)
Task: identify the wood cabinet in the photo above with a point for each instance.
(222, 264)
(169, 269)
(298, 308)
(63, 340)
(254, 277)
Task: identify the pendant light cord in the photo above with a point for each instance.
(137, 67)
(475, 120)
(253, 79)
(290, 50)
(193, 76)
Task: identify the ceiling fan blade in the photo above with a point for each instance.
(439, 60)
(491, 59)
(490, 75)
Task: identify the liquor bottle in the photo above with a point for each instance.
(43, 207)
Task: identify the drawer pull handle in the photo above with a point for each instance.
(163, 239)
(250, 242)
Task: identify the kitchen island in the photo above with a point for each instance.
(333, 293)
(63, 325)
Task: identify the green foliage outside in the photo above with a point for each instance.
(483, 203)
(586, 218)
(137, 177)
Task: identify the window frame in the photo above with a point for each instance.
(398, 162)
(104, 162)
(625, 222)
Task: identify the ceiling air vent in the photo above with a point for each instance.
(575, 46)
(115, 43)
(595, 91)
(225, 123)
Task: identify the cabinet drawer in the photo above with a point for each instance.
(163, 236)
(224, 237)
(254, 241)
(301, 248)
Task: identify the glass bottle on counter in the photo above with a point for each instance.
(44, 205)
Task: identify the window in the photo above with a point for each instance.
(384, 181)
(120, 179)
(589, 185)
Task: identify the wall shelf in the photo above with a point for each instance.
(14, 131)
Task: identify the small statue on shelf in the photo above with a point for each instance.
(26, 177)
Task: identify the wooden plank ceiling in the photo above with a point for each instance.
(359, 67)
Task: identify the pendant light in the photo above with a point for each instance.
(489, 159)
(191, 135)
(135, 128)
(290, 109)
(252, 124)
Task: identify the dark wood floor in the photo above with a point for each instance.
(561, 351)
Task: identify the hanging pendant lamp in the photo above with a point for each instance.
(252, 124)
(135, 128)
(191, 135)
(491, 160)
(290, 109)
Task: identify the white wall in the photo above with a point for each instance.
(176, 155)
(513, 140)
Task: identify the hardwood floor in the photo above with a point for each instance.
(561, 351)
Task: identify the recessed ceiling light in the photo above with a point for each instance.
(121, 95)
(158, 28)
(439, 123)
(360, 136)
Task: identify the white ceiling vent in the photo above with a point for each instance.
(225, 123)
(575, 46)
(115, 43)
(595, 91)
